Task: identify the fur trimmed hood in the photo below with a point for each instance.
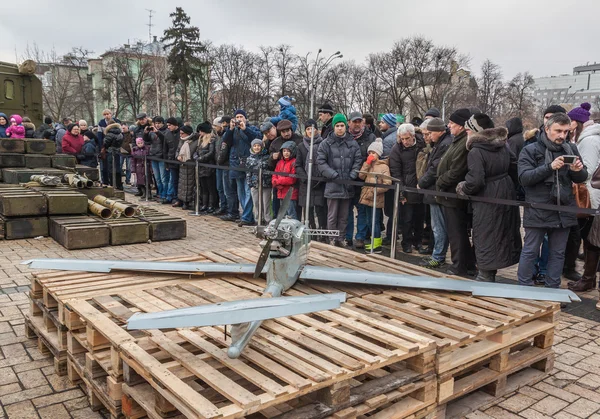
(113, 126)
(495, 137)
(529, 134)
(29, 125)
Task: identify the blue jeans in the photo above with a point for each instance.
(440, 236)
(378, 218)
(362, 222)
(160, 176)
(127, 161)
(230, 187)
(172, 176)
(245, 197)
(221, 188)
(557, 243)
(542, 261)
(291, 211)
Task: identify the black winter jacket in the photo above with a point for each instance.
(539, 180)
(155, 140)
(276, 144)
(429, 178)
(205, 154)
(403, 166)
(492, 173)
(317, 197)
(452, 170)
(515, 135)
(339, 158)
(170, 145)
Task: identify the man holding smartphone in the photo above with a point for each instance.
(547, 170)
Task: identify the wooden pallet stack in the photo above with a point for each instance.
(385, 353)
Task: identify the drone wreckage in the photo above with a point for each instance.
(283, 259)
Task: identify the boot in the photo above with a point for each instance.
(140, 191)
(485, 276)
(588, 280)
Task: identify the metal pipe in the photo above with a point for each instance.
(395, 222)
(99, 210)
(374, 215)
(197, 205)
(146, 176)
(260, 194)
(74, 180)
(126, 210)
(309, 180)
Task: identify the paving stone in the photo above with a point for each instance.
(590, 381)
(7, 376)
(57, 398)
(22, 410)
(500, 413)
(86, 413)
(56, 411)
(577, 341)
(32, 378)
(583, 408)
(584, 392)
(517, 403)
(20, 396)
(557, 392)
(76, 404)
(571, 358)
(532, 392)
(549, 405)
(28, 365)
(10, 388)
(478, 415)
(533, 414)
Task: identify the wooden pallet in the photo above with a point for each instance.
(47, 342)
(292, 360)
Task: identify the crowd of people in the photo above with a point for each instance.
(243, 168)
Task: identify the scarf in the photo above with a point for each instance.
(185, 152)
(554, 178)
(358, 134)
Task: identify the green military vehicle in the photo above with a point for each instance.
(21, 91)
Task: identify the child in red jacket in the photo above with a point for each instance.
(286, 164)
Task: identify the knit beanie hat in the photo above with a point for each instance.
(435, 112)
(285, 101)
(581, 113)
(71, 126)
(310, 123)
(172, 121)
(376, 146)
(240, 112)
(479, 122)
(554, 109)
(326, 108)
(186, 129)
(158, 119)
(460, 116)
(205, 127)
(339, 117)
(256, 141)
(436, 125)
(390, 119)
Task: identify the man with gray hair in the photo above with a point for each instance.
(547, 173)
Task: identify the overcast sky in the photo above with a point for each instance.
(544, 37)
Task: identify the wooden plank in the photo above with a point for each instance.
(236, 365)
(182, 391)
(211, 376)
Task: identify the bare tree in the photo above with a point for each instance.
(66, 90)
(519, 95)
(491, 90)
(130, 72)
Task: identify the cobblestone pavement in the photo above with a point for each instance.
(29, 388)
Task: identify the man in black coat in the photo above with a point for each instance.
(364, 137)
(441, 139)
(548, 180)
